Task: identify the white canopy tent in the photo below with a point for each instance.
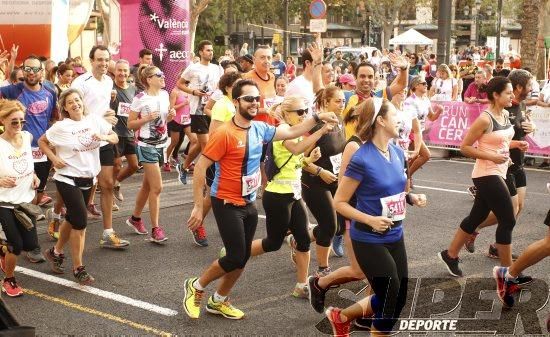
(411, 37)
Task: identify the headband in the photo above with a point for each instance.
(377, 107)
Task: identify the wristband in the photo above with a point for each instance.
(316, 118)
(319, 169)
(193, 92)
(408, 199)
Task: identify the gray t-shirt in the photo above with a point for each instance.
(121, 105)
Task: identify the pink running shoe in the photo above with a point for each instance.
(138, 226)
(158, 235)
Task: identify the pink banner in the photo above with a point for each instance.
(457, 117)
(161, 26)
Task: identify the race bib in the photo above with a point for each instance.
(185, 119)
(393, 207)
(123, 109)
(251, 183)
(38, 156)
(336, 161)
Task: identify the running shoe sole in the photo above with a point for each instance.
(446, 266)
(16, 295)
(216, 312)
(134, 228)
(196, 242)
(159, 242)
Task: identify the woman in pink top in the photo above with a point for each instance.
(493, 133)
(179, 127)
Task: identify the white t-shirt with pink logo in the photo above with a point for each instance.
(18, 164)
(74, 144)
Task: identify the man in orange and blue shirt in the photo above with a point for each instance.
(236, 148)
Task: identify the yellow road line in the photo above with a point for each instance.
(98, 313)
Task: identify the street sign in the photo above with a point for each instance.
(318, 25)
(318, 9)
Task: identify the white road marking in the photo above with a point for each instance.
(441, 189)
(98, 292)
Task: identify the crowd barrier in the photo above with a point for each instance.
(451, 127)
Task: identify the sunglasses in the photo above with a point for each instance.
(250, 99)
(423, 83)
(28, 69)
(300, 112)
(160, 74)
(16, 122)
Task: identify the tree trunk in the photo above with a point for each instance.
(197, 7)
(105, 10)
(531, 24)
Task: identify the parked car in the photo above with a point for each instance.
(350, 53)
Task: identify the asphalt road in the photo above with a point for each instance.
(138, 291)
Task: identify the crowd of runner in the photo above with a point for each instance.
(343, 147)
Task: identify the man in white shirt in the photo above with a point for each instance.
(97, 88)
(302, 85)
(200, 80)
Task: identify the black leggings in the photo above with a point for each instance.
(75, 200)
(318, 197)
(17, 236)
(237, 226)
(492, 195)
(283, 212)
(42, 171)
(385, 266)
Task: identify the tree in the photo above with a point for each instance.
(196, 8)
(385, 12)
(532, 44)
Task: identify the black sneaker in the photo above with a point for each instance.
(82, 276)
(493, 253)
(523, 280)
(316, 295)
(363, 323)
(56, 261)
(450, 263)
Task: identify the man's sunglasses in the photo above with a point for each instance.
(28, 69)
(16, 122)
(300, 112)
(250, 98)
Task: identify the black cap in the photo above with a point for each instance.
(247, 58)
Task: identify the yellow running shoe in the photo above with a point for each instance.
(192, 298)
(223, 308)
(53, 229)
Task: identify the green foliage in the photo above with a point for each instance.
(212, 22)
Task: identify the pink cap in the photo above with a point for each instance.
(347, 78)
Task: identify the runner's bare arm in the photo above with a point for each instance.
(308, 142)
(345, 191)
(300, 129)
(199, 180)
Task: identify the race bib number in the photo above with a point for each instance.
(251, 183)
(394, 207)
(38, 156)
(336, 161)
(123, 109)
(185, 119)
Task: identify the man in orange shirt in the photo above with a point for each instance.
(265, 80)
